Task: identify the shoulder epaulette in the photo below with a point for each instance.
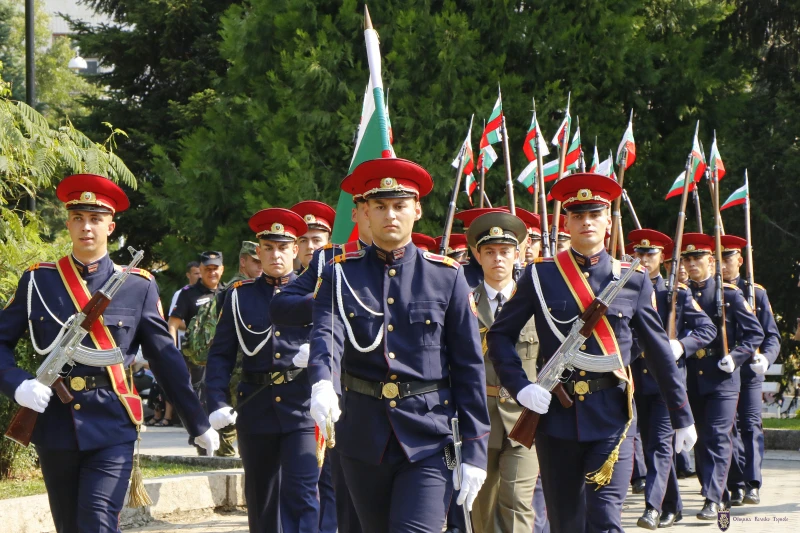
(759, 286)
(349, 256)
(329, 246)
(352, 246)
(543, 260)
(625, 264)
(37, 266)
(237, 284)
(683, 286)
(141, 272)
(436, 258)
(730, 285)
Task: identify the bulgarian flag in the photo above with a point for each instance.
(698, 158)
(491, 134)
(595, 158)
(627, 144)
(715, 161)
(738, 197)
(528, 176)
(372, 141)
(563, 130)
(573, 157)
(470, 183)
(606, 168)
(530, 146)
(677, 186)
(487, 157)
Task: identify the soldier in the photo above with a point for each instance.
(563, 242)
(249, 267)
(744, 478)
(713, 377)
(402, 321)
(424, 243)
(473, 272)
(456, 247)
(319, 218)
(533, 223)
(85, 446)
(505, 500)
(695, 331)
(276, 432)
(586, 443)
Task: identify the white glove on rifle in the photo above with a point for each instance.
(324, 401)
(222, 418)
(33, 395)
(301, 359)
(677, 348)
(208, 440)
(726, 364)
(472, 479)
(760, 364)
(685, 439)
(535, 397)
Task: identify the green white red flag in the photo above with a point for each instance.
(528, 176)
(606, 168)
(737, 197)
(698, 158)
(715, 161)
(563, 130)
(491, 134)
(595, 158)
(627, 145)
(573, 158)
(470, 184)
(676, 189)
(530, 146)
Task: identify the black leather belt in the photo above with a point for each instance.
(87, 383)
(391, 389)
(271, 378)
(591, 385)
(705, 352)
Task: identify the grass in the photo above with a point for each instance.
(782, 423)
(34, 484)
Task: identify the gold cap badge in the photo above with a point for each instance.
(88, 197)
(645, 242)
(388, 183)
(277, 227)
(691, 248)
(584, 194)
(310, 219)
(496, 231)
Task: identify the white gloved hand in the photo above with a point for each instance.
(685, 439)
(677, 348)
(222, 418)
(324, 401)
(760, 364)
(726, 364)
(208, 440)
(33, 395)
(301, 359)
(535, 397)
(472, 479)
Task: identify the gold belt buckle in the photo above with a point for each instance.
(390, 390)
(77, 383)
(277, 380)
(701, 353)
(581, 387)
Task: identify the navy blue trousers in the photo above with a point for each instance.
(346, 516)
(86, 489)
(327, 497)
(398, 496)
(280, 481)
(748, 439)
(573, 505)
(540, 522)
(683, 462)
(639, 463)
(714, 416)
(661, 490)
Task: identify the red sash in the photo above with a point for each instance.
(584, 296)
(102, 339)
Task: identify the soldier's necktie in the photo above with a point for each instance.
(500, 300)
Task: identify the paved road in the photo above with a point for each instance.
(778, 512)
(166, 441)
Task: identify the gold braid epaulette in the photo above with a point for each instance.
(350, 255)
(142, 272)
(237, 284)
(37, 266)
(443, 259)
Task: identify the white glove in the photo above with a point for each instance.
(222, 418)
(677, 348)
(208, 440)
(726, 364)
(535, 397)
(472, 479)
(324, 401)
(685, 439)
(33, 395)
(760, 364)
(301, 359)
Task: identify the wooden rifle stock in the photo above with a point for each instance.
(524, 431)
(21, 428)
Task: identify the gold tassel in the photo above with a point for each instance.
(138, 495)
(484, 344)
(320, 450)
(602, 476)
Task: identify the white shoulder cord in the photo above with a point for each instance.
(550, 319)
(339, 277)
(237, 318)
(32, 285)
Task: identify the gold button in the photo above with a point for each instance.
(586, 274)
(249, 326)
(393, 376)
(278, 333)
(277, 398)
(502, 400)
(549, 308)
(428, 322)
(352, 315)
(583, 372)
(119, 324)
(393, 404)
(583, 346)
(277, 356)
(77, 407)
(241, 394)
(580, 398)
(699, 294)
(41, 318)
(619, 315)
(390, 328)
(392, 272)
(701, 372)
(391, 355)
(446, 402)
(390, 300)
(644, 371)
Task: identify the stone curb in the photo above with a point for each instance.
(171, 495)
(781, 439)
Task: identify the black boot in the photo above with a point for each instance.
(752, 497)
(649, 520)
(710, 511)
(737, 497)
(668, 518)
(637, 487)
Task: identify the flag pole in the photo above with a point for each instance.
(374, 60)
(628, 202)
(546, 250)
(581, 159)
(616, 212)
(451, 209)
(672, 295)
(698, 214)
(751, 295)
(556, 203)
(506, 155)
(719, 297)
(483, 177)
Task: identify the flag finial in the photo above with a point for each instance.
(630, 120)
(367, 19)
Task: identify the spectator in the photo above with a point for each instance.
(249, 265)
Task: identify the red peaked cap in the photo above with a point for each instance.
(649, 239)
(562, 224)
(697, 243)
(90, 192)
(457, 243)
(732, 243)
(317, 215)
(533, 222)
(585, 189)
(278, 224)
(468, 215)
(391, 177)
(630, 248)
(423, 242)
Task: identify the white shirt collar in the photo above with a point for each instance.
(506, 291)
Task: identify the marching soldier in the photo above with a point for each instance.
(533, 223)
(456, 247)
(319, 218)
(505, 500)
(402, 321)
(424, 243)
(744, 478)
(587, 443)
(713, 377)
(276, 432)
(473, 272)
(695, 331)
(563, 242)
(85, 446)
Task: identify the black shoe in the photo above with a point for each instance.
(752, 496)
(638, 485)
(649, 520)
(737, 497)
(669, 518)
(710, 511)
(683, 474)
